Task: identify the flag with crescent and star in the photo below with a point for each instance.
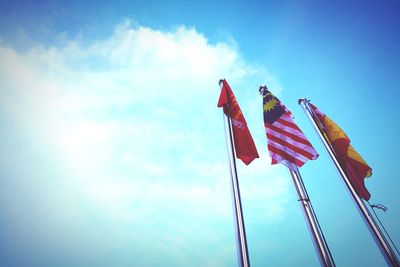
(286, 142)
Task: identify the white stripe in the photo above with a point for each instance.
(287, 118)
(288, 151)
(288, 129)
(286, 138)
(285, 162)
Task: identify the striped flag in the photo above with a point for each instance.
(286, 142)
(352, 163)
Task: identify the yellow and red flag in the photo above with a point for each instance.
(352, 163)
(244, 144)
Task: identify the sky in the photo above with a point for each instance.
(113, 151)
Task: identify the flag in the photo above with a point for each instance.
(352, 163)
(286, 142)
(244, 144)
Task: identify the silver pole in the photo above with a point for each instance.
(375, 231)
(243, 254)
(320, 244)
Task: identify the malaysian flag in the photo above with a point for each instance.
(286, 142)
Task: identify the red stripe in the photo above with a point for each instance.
(285, 155)
(290, 146)
(289, 135)
(288, 124)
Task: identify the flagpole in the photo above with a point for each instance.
(319, 241)
(241, 240)
(375, 231)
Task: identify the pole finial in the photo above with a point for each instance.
(262, 88)
(303, 100)
(220, 81)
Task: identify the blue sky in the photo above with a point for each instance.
(113, 149)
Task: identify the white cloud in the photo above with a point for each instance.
(131, 123)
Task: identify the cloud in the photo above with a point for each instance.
(123, 134)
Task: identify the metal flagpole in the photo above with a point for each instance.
(320, 244)
(377, 234)
(243, 254)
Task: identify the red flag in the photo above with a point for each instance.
(244, 144)
(352, 163)
(286, 142)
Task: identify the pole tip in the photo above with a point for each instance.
(262, 88)
(302, 100)
(220, 81)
